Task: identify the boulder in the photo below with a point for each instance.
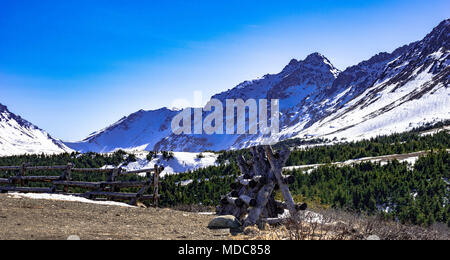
(224, 222)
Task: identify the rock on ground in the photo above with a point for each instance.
(223, 222)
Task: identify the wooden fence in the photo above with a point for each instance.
(109, 189)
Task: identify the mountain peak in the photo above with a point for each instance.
(293, 62)
(313, 60)
(318, 60)
(439, 37)
(444, 24)
(3, 108)
(315, 57)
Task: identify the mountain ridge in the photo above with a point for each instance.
(316, 98)
(390, 92)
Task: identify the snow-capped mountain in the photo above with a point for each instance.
(391, 92)
(300, 87)
(396, 93)
(138, 131)
(18, 136)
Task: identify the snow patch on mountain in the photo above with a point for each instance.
(138, 131)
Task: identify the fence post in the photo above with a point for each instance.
(156, 185)
(143, 190)
(112, 178)
(67, 175)
(21, 173)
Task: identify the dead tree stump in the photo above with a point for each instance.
(252, 199)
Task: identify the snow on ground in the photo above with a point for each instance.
(207, 213)
(180, 163)
(312, 217)
(435, 131)
(410, 158)
(59, 197)
(306, 216)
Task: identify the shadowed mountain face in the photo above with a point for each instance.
(18, 136)
(391, 92)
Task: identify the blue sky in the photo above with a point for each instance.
(74, 67)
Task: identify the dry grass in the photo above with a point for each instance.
(338, 225)
(194, 208)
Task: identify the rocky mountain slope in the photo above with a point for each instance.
(406, 89)
(18, 136)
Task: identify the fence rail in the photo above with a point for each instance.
(109, 189)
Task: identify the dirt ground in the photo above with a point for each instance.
(23, 218)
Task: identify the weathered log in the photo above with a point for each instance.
(140, 193)
(63, 167)
(277, 162)
(28, 189)
(248, 200)
(298, 207)
(235, 201)
(67, 174)
(272, 165)
(232, 194)
(97, 185)
(244, 167)
(245, 182)
(127, 184)
(16, 179)
(119, 195)
(272, 210)
(274, 221)
(260, 179)
(244, 177)
(157, 171)
(262, 199)
(45, 168)
(79, 184)
(10, 168)
(137, 171)
(231, 209)
(262, 164)
(92, 170)
(31, 168)
(22, 172)
(114, 174)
